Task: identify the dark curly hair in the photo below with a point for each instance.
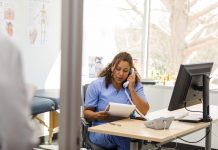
(122, 56)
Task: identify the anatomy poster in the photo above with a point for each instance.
(7, 16)
(39, 23)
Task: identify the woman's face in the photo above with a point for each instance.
(121, 72)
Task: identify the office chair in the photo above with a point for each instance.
(86, 143)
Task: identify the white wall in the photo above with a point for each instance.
(38, 59)
(159, 97)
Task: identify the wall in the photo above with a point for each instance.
(159, 97)
(38, 58)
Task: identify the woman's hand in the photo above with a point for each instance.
(101, 115)
(91, 115)
(131, 80)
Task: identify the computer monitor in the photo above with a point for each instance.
(192, 87)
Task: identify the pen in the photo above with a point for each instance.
(114, 124)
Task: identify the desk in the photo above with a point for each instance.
(137, 130)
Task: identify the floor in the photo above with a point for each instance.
(44, 144)
(184, 147)
(47, 147)
(169, 146)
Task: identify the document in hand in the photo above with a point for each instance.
(120, 110)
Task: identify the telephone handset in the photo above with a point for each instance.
(127, 82)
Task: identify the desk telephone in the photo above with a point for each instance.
(159, 123)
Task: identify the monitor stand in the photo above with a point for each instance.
(206, 106)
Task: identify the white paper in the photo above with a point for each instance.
(121, 110)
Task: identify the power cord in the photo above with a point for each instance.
(192, 110)
(195, 111)
(197, 140)
(186, 140)
(202, 137)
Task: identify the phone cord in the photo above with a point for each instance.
(133, 104)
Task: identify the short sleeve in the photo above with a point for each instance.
(91, 96)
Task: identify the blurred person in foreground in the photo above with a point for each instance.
(16, 127)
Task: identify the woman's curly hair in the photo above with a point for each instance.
(107, 73)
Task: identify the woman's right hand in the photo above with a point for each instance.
(101, 115)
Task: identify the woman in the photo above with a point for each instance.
(109, 88)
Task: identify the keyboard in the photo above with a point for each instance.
(191, 118)
(178, 115)
(175, 114)
(181, 115)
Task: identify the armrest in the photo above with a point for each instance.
(85, 123)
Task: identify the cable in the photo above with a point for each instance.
(197, 140)
(202, 137)
(136, 107)
(186, 140)
(196, 111)
(191, 110)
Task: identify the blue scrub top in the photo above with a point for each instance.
(98, 96)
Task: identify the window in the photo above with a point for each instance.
(111, 26)
(179, 32)
(182, 32)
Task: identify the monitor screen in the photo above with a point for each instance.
(189, 84)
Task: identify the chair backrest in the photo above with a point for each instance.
(86, 142)
(83, 95)
(85, 123)
(84, 91)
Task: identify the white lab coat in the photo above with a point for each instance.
(16, 128)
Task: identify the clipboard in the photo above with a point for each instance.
(120, 110)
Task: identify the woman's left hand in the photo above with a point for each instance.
(131, 80)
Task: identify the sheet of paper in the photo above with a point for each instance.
(121, 110)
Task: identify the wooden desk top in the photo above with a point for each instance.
(137, 130)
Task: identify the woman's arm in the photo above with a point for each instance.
(142, 106)
(91, 103)
(140, 103)
(91, 115)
